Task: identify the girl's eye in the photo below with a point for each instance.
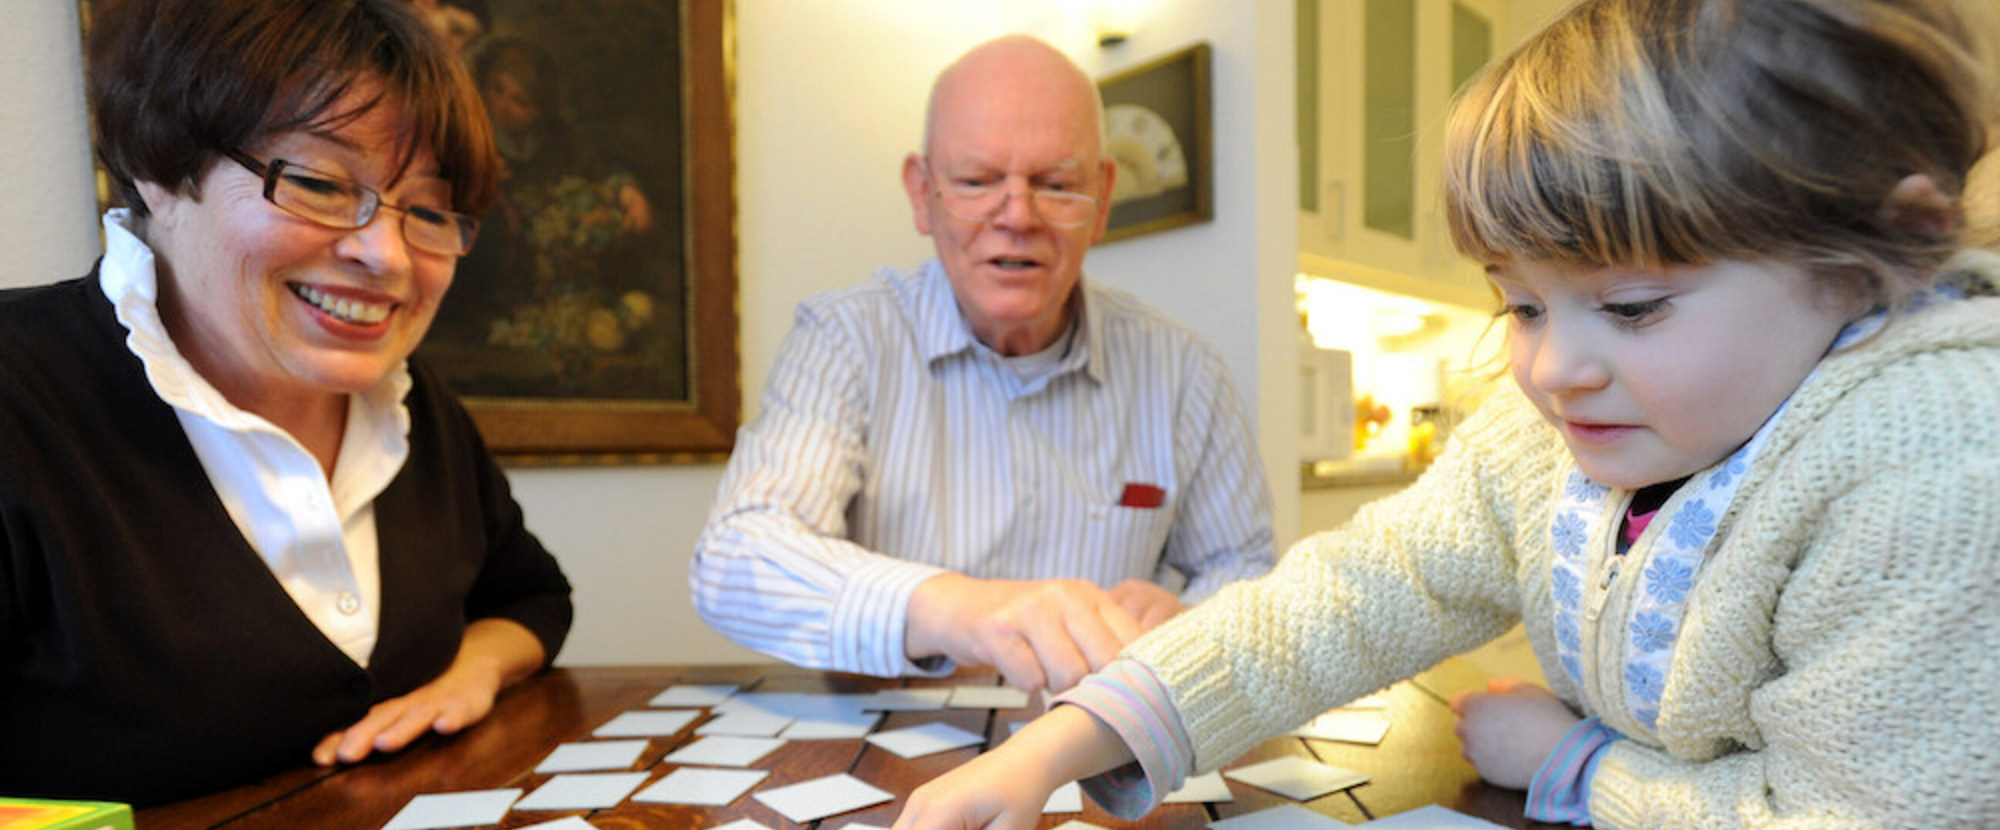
(1635, 313)
(1522, 312)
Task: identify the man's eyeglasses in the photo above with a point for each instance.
(349, 205)
(976, 202)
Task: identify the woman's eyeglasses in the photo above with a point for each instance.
(335, 202)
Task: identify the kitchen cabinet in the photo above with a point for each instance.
(1376, 81)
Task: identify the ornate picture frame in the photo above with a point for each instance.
(588, 327)
(1157, 129)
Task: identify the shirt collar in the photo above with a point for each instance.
(128, 277)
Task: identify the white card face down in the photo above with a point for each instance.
(1431, 817)
(1297, 778)
(907, 700)
(1281, 817)
(582, 791)
(988, 697)
(564, 823)
(1347, 726)
(442, 810)
(592, 756)
(700, 785)
(643, 724)
(917, 741)
(692, 696)
(745, 723)
(821, 797)
(1206, 788)
(724, 751)
(832, 727)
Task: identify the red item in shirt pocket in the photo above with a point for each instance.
(1142, 495)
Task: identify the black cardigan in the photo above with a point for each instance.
(147, 653)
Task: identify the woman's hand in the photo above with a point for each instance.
(494, 654)
(1005, 788)
(1508, 730)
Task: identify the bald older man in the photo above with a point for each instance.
(987, 460)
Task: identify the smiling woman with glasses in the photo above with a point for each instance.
(242, 529)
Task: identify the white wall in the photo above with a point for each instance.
(48, 207)
(830, 96)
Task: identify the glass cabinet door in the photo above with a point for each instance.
(1376, 78)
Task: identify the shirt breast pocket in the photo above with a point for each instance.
(1129, 536)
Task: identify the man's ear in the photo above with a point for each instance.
(917, 183)
(1917, 206)
(1104, 200)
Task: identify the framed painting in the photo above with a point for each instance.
(1157, 131)
(595, 319)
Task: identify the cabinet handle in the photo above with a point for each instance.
(1333, 210)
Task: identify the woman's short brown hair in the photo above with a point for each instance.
(174, 83)
(1655, 133)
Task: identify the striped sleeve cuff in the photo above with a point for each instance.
(1560, 791)
(860, 641)
(1127, 697)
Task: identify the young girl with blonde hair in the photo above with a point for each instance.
(1740, 492)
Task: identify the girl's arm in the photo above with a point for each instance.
(1005, 788)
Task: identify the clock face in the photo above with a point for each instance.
(1147, 152)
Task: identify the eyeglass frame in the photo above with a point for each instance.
(1034, 204)
(370, 208)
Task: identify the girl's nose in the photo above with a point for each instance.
(1563, 359)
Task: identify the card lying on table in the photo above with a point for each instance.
(39, 814)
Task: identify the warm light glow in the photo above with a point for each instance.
(1113, 21)
(1343, 316)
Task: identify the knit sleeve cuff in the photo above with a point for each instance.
(1197, 678)
(1128, 698)
(1624, 771)
(1560, 791)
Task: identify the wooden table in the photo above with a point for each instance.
(1416, 764)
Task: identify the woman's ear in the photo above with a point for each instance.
(1918, 207)
(156, 197)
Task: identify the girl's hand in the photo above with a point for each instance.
(1005, 788)
(995, 791)
(1508, 730)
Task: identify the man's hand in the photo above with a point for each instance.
(494, 654)
(1040, 634)
(1508, 730)
(1148, 603)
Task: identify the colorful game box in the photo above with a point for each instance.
(41, 814)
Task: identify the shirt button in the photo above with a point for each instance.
(349, 604)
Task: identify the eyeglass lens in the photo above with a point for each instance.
(341, 203)
(1056, 207)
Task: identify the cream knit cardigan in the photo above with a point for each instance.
(1839, 661)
